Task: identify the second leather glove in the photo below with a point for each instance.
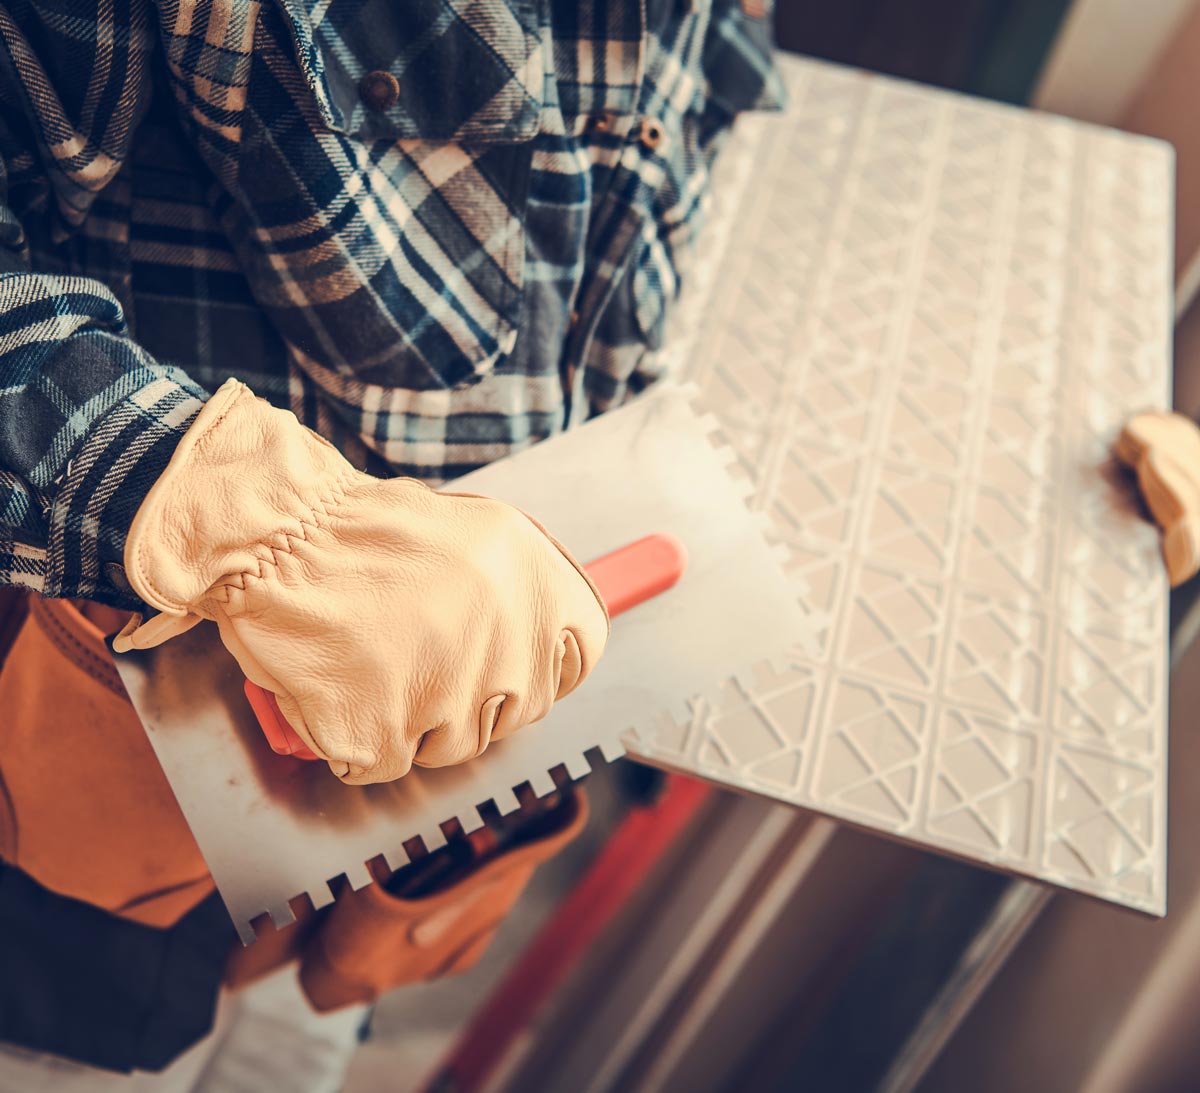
(395, 624)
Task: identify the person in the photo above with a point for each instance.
(1162, 450)
(269, 271)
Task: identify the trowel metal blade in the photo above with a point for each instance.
(273, 828)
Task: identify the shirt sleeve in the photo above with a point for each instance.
(88, 421)
(88, 418)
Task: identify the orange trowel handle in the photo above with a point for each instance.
(628, 576)
(638, 572)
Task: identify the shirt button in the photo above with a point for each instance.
(117, 578)
(651, 133)
(379, 89)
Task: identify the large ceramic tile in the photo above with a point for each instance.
(921, 319)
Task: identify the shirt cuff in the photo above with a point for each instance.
(104, 482)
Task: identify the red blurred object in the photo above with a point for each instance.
(631, 852)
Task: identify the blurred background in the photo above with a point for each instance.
(995, 48)
(754, 947)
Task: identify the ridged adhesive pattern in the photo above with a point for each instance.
(921, 340)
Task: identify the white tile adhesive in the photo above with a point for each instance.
(920, 320)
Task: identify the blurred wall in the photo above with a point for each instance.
(995, 48)
(1103, 54)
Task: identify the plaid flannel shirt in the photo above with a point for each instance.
(437, 230)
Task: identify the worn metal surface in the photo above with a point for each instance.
(272, 828)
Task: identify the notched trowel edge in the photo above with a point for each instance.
(273, 828)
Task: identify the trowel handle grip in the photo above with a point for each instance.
(276, 728)
(638, 571)
(628, 576)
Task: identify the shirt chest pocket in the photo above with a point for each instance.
(462, 70)
(377, 178)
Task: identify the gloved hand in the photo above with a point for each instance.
(395, 624)
(1164, 450)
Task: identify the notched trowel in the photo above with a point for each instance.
(272, 828)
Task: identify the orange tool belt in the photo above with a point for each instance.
(86, 812)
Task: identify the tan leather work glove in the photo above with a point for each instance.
(395, 624)
(1164, 450)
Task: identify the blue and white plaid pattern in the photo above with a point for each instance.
(198, 189)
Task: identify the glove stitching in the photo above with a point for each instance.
(336, 494)
(337, 491)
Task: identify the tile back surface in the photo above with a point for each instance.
(920, 320)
